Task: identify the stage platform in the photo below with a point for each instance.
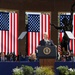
(70, 64)
(6, 67)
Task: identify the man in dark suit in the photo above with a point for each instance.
(45, 41)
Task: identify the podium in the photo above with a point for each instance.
(46, 55)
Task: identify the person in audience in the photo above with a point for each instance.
(11, 57)
(71, 55)
(32, 57)
(59, 53)
(8, 56)
(3, 58)
(14, 56)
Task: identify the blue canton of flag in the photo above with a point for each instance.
(4, 21)
(61, 18)
(33, 22)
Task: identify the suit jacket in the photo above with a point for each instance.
(43, 43)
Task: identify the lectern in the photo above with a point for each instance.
(47, 55)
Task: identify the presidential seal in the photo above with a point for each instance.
(46, 50)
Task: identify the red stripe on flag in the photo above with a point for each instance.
(4, 41)
(10, 33)
(41, 26)
(49, 28)
(71, 48)
(16, 34)
(38, 37)
(44, 24)
(28, 43)
(60, 36)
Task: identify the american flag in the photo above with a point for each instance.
(74, 33)
(37, 24)
(9, 32)
(72, 41)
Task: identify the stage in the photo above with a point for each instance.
(6, 67)
(70, 64)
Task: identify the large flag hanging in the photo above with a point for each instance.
(9, 32)
(37, 24)
(72, 43)
(74, 33)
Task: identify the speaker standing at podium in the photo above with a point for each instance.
(46, 51)
(45, 41)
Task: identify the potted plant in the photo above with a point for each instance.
(63, 70)
(17, 71)
(28, 70)
(71, 71)
(44, 71)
